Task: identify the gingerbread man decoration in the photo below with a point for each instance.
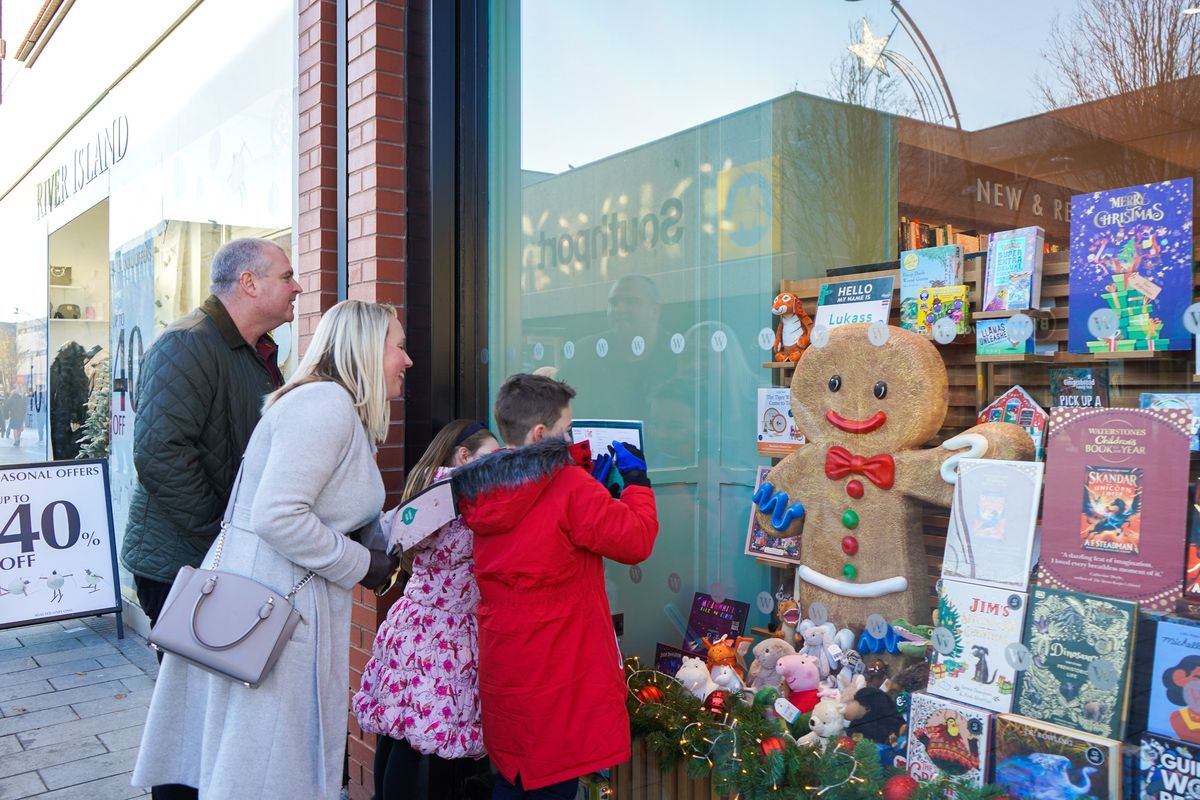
(855, 490)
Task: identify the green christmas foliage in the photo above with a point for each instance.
(93, 438)
(742, 748)
(948, 618)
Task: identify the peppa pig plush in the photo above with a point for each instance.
(802, 676)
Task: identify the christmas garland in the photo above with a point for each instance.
(750, 756)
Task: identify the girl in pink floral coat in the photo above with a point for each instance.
(420, 690)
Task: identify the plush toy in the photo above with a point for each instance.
(873, 714)
(726, 678)
(802, 676)
(877, 672)
(856, 490)
(843, 638)
(816, 644)
(766, 655)
(795, 327)
(695, 677)
(726, 652)
(789, 616)
(827, 721)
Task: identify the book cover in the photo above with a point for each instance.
(1188, 400)
(1131, 252)
(764, 544)
(1175, 682)
(927, 268)
(1167, 769)
(947, 301)
(1013, 274)
(866, 300)
(1094, 454)
(668, 659)
(991, 339)
(948, 739)
(1080, 646)
(1037, 761)
(1191, 577)
(992, 536)
(1078, 387)
(777, 432)
(1018, 407)
(969, 664)
(711, 620)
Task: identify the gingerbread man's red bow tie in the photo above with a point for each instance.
(879, 470)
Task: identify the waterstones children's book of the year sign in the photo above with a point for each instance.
(1119, 479)
(975, 625)
(947, 739)
(1175, 682)
(1167, 769)
(927, 268)
(991, 538)
(1078, 387)
(867, 300)
(1013, 274)
(1131, 252)
(1078, 674)
(1037, 761)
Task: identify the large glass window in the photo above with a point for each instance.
(658, 170)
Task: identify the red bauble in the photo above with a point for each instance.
(846, 743)
(772, 744)
(717, 703)
(649, 694)
(899, 787)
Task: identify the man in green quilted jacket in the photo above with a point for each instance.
(200, 394)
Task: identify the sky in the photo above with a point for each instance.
(602, 77)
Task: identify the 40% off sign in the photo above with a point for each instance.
(57, 553)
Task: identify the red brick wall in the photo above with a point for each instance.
(376, 232)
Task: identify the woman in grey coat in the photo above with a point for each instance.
(308, 478)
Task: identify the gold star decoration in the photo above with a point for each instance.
(870, 49)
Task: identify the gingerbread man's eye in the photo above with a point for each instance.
(881, 390)
(835, 383)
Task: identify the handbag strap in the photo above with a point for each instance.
(227, 520)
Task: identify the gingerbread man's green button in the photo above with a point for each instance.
(850, 571)
(850, 518)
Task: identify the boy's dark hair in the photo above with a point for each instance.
(526, 400)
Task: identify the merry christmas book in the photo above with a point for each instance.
(992, 534)
(1131, 254)
(1080, 647)
(947, 739)
(1175, 682)
(1119, 479)
(1038, 761)
(968, 662)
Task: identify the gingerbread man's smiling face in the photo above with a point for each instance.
(866, 397)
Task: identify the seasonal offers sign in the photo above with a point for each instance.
(58, 558)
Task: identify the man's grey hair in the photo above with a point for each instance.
(234, 258)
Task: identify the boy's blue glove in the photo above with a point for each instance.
(630, 463)
(602, 468)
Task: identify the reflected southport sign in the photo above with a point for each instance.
(88, 162)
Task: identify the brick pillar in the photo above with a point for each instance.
(377, 189)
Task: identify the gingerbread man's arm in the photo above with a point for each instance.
(919, 472)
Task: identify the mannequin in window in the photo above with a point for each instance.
(68, 399)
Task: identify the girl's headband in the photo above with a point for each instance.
(469, 431)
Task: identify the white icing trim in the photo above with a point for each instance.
(844, 589)
(977, 445)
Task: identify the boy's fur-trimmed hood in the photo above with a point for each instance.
(495, 492)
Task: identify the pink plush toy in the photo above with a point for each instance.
(802, 676)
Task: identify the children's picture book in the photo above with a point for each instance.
(668, 659)
(1127, 469)
(711, 620)
(1013, 275)
(947, 739)
(991, 339)
(1191, 575)
(1038, 761)
(970, 665)
(1167, 769)
(1078, 387)
(1175, 682)
(866, 300)
(1080, 647)
(927, 268)
(1131, 253)
(1188, 400)
(764, 544)
(1018, 407)
(939, 303)
(992, 536)
(777, 431)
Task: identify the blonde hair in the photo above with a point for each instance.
(347, 348)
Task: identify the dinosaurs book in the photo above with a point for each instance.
(1038, 761)
(1175, 682)
(975, 626)
(1128, 470)
(1078, 672)
(1167, 769)
(948, 739)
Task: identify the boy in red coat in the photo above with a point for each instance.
(551, 684)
